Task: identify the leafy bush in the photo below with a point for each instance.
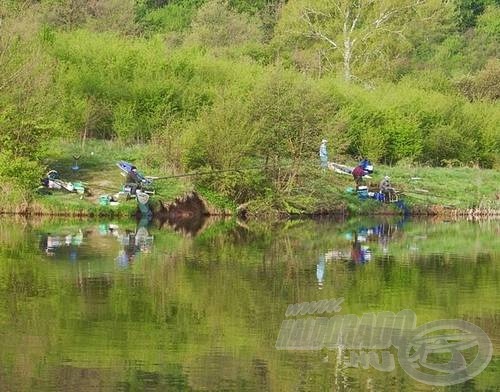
(174, 16)
(216, 25)
(221, 137)
(489, 21)
(122, 90)
(485, 84)
(20, 171)
(373, 144)
(290, 117)
(443, 144)
(405, 138)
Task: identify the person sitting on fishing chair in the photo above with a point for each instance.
(386, 189)
(132, 176)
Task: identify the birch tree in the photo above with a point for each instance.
(357, 32)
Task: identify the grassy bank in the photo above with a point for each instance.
(98, 171)
(425, 190)
(459, 189)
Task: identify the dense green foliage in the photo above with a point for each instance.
(222, 84)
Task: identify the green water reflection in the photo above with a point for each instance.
(125, 306)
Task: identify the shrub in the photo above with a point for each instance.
(373, 144)
(22, 172)
(489, 21)
(215, 25)
(485, 84)
(405, 138)
(444, 143)
(291, 117)
(221, 137)
(176, 16)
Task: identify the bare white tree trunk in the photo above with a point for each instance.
(359, 21)
(347, 59)
(350, 22)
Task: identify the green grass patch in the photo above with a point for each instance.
(98, 171)
(460, 187)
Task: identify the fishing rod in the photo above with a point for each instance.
(423, 194)
(195, 174)
(209, 172)
(105, 188)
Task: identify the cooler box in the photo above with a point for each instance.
(363, 192)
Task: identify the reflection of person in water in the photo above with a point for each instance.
(359, 254)
(134, 242)
(356, 248)
(386, 232)
(320, 271)
(127, 253)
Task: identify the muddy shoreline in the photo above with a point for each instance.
(192, 206)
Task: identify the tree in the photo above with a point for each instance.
(26, 105)
(469, 10)
(26, 118)
(291, 117)
(99, 15)
(484, 85)
(216, 25)
(361, 31)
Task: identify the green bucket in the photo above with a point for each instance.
(79, 188)
(104, 200)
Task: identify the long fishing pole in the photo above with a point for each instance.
(190, 175)
(205, 173)
(423, 194)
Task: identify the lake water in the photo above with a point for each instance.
(121, 306)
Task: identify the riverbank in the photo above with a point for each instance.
(191, 205)
(455, 191)
(424, 191)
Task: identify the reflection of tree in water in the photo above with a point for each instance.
(173, 377)
(73, 378)
(186, 214)
(186, 225)
(221, 370)
(134, 242)
(94, 291)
